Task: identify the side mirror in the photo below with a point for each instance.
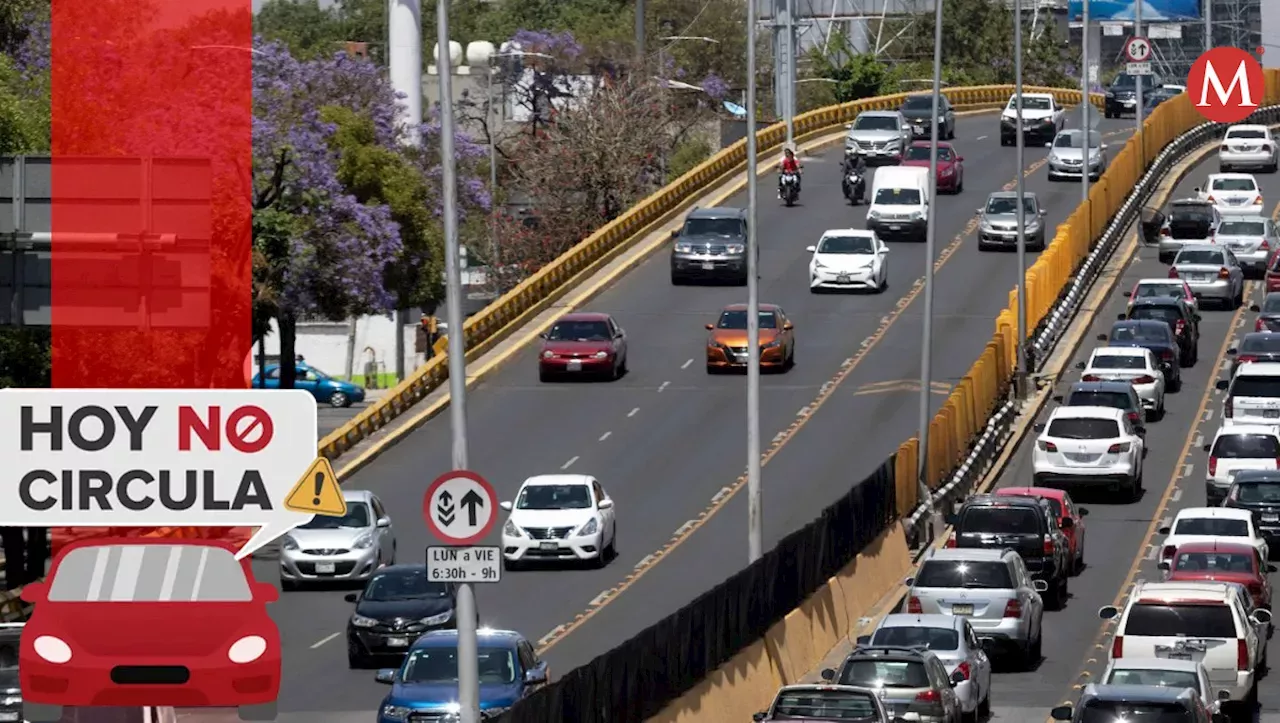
(1068, 523)
(535, 676)
(1164, 565)
(1261, 616)
(884, 250)
(1222, 384)
(1206, 447)
(788, 326)
(959, 159)
(957, 678)
(352, 597)
(386, 676)
(848, 126)
(864, 640)
(758, 716)
(1062, 712)
(34, 592)
(265, 592)
(828, 674)
(1273, 568)
(675, 234)
(710, 327)
(1038, 426)
(543, 335)
(1197, 317)
(1164, 530)
(1128, 294)
(1080, 365)
(1044, 212)
(605, 504)
(1108, 612)
(505, 505)
(384, 522)
(1103, 146)
(1059, 398)
(1141, 430)
(1101, 337)
(1254, 307)
(951, 518)
(1232, 351)
(909, 581)
(811, 249)
(1082, 511)
(1040, 585)
(979, 210)
(1121, 316)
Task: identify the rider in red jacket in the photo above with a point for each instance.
(790, 165)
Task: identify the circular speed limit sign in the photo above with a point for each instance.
(1138, 50)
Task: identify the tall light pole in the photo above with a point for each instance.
(404, 60)
(789, 101)
(931, 234)
(1137, 114)
(1085, 87)
(1020, 378)
(755, 513)
(640, 31)
(1208, 25)
(465, 601)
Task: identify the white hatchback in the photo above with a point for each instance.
(1095, 446)
(1239, 447)
(849, 259)
(1234, 193)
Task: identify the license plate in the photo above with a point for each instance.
(1271, 518)
(1174, 656)
(708, 266)
(573, 366)
(895, 227)
(550, 546)
(9, 715)
(1198, 277)
(919, 129)
(961, 609)
(325, 568)
(400, 642)
(1271, 414)
(843, 278)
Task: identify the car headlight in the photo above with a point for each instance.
(364, 541)
(510, 529)
(288, 543)
(817, 264)
(548, 354)
(735, 248)
(10, 701)
(601, 354)
(1111, 94)
(684, 248)
(440, 619)
(873, 213)
(1007, 120)
(590, 528)
(395, 712)
(247, 649)
(946, 171)
(1032, 226)
(52, 649)
(916, 215)
(361, 621)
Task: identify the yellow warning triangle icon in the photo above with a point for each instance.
(317, 491)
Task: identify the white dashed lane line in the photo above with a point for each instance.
(686, 364)
(664, 386)
(324, 640)
(569, 464)
(605, 436)
(633, 412)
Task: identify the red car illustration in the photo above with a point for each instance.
(149, 622)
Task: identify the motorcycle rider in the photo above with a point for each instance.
(854, 163)
(789, 165)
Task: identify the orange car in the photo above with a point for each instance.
(727, 342)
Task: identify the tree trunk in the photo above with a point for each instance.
(288, 351)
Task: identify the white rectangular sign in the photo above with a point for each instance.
(1138, 69)
(464, 564)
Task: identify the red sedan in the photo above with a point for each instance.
(1222, 562)
(1070, 517)
(950, 165)
(583, 344)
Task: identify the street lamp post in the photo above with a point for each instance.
(1020, 378)
(755, 511)
(1084, 105)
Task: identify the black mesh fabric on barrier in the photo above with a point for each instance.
(635, 680)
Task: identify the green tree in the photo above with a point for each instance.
(304, 27)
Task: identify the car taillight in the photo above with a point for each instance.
(1210, 199)
(1223, 273)
(1013, 609)
(1229, 408)
(1118, 448)
(1242, 654)
(1277, 462)
(1259, 325)
(1048, 545)
(951, 541)
(1255, 589)
(1257, 201)
(1133, 417)
(1164, 231)
(1145, 379)
(1213, 466)
(1166, 354)
(929, 696)
(1047, 446)
(1168, 552)
(1246, 359)
(1173, 272)
(913, 606)
(1090, 378)
(1266, 246)
(1179, 327)
(1117, 646)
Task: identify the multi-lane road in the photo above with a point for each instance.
(1120, 539)
(668, 441)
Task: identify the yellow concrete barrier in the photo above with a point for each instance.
(529, 298)
(797, 644)
(964, 415)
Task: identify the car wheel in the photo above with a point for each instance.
(676, 280)
(289, 585)
(356, 661)
(624, 368)
(512, 565)
(712, 370)
(1079, 563)
(1036, 649)
(339, 399)
(543, 376)
(984, 705)
(41, 713)
(262, 711)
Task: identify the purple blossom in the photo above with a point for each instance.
(32, 56)
(561, 45)
(715, 86)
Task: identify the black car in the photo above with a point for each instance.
(1026, 525)
(1153, 335)
(1258, 490)
(10, 692)
(918, 109)
(1182, 321)
(397, 607)
(1268, 313)
(1260, 346)
(1113, 394)
(1153, 98)
(1122, 95)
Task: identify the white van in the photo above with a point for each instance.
(1253, 395)
(899, 203)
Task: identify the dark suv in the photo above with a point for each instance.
(1182, 321)
(1122, 95)
(710, 246)
(1025, 525)
(1258, 490)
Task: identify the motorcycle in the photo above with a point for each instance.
(789, 188)
(854, 186)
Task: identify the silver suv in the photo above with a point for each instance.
(910, 681)
(879, 136)
(998, 222)
(710, 246)
(990, 587)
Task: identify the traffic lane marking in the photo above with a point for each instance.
(324, 640)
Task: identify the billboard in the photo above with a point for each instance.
(1153, 11)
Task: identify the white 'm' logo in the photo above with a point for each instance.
(1241, 79)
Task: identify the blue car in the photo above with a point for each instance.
(326, 389)
(426, 685)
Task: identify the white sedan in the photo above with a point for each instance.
(849, 259)
(1234, 193)
(560, 517)
(1132, 364)
(1210, 524)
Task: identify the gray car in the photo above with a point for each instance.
(1251, 238)
(1212, 272)
(348, 548)
(991, 588)
(710, 246)
(998, 222)
(1136, 702)
(879, 136)
(1189, 221)
(1066, 156)
(909, 681)
(953, 640)
(918, 109)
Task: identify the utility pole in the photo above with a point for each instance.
(1141, 79)
(1020, 378)
(465, 602)
(1085, 104)
(1208, 25)
(755, 513)
(790, 87)
(640, 32)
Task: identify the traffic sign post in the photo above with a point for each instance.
(1137, 50)
(1138, 69)
(460, 508)
(464, 564)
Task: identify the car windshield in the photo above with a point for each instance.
(1118, 361)
(1124, 80)
(9, 638)
(1140, 332)
(580, 331)
(1115, 400)
(1008, 205)
(410, 584)
(825, 705)
(554, 497)
(1158, 313)
(1246, 446)
(1261, 343)
(738, 320)
(847, 245)
(1242, 228)
(149, 573)
(884, 674)
(950, 574)
(1156, 619)
(875, 123)
(1083, 428)
(1234, 184)
(314, 372)
(1012, 520)
(919, 102)
(921, 153)
(357, 516)
(1257, 492)
(912, 637)
(726, 227)
(1214, 562)
(1255, 386)
(1130, 711)
(1075, 139)
(1246, 134)
(1161, 290)
(1199, 256)
(897, 197)
(1177, 679)
(1271, 304)
(1030, 103)
(1212, 527)
(440, 665)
